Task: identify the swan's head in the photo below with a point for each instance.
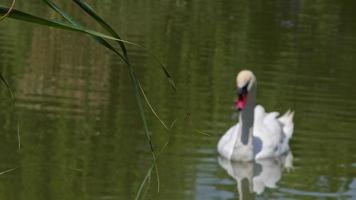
(245, 80)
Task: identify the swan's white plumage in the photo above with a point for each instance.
(227, 142)
(273, 132)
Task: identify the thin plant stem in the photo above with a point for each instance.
(8, 11)
(150, 106)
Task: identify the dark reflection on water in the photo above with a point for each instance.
(81, 136)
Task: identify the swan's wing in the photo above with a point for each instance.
(271, 123)
(227, 142)
(266, 124)
(268, 130)
(259, 115)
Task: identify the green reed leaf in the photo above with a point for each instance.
(8, 11)
(22, 16)
(89, 10)
(76, 23)
(133, 78)
(3, 80)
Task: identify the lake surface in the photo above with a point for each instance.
(81, 136)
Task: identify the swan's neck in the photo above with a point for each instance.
(247, 116)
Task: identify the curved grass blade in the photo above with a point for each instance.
(132, 75)
(168, 76)
(149, 171)
(144, 193)
(150, 106)
(3, 80)
(143, 183)
(133, 78)
(143, 118)
(18, 135)
(7, 171)
(201, 132)
(59, 11)
(173, 123)
(101, 40)
(88, 9)
(74, 22)
(195, 129)
(9, 10)
(92, 13)
(22, 16)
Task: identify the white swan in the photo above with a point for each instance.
(258, 134)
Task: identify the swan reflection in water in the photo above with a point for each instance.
(255, 177)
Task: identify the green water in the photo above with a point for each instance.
(80, 129)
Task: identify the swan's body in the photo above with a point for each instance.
(270, 137)
(258, 134)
